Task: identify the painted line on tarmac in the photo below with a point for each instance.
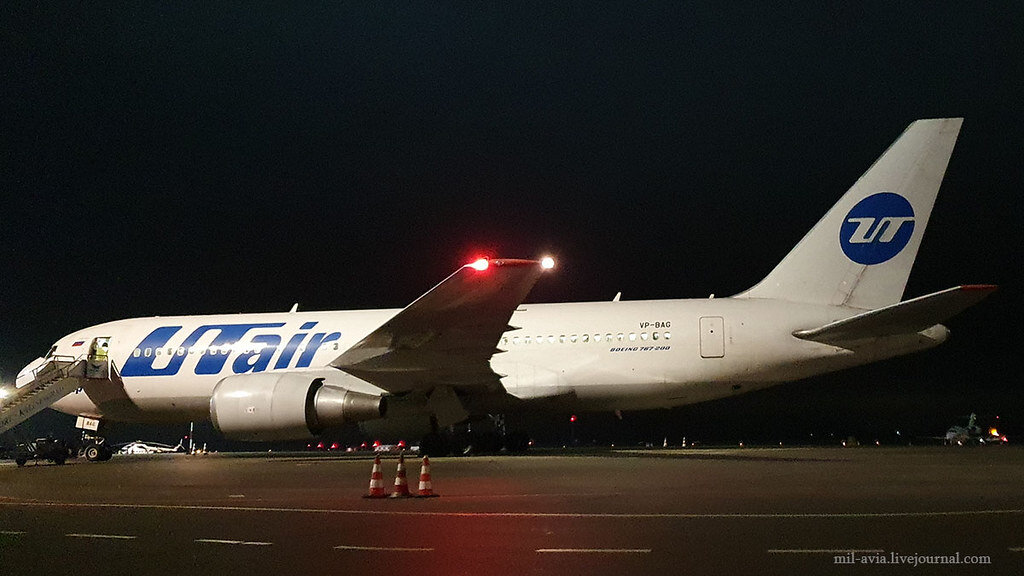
(232, 542)
(1020, 549)
(593, 551)
(11, 532)
(101, 536)
(381, 549)
(825, 551)
(579, 515)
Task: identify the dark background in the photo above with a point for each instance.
(188, 158)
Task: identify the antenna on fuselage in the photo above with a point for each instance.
(295, 308)
(618, 296)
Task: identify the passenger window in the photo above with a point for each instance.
(668, 335)
(654, 336)
(515, 340)
(148, 352)
(159, 351)
(561, 339)
(619, 336)
(608, 336)
(573, 338)
(643, 335)
(632, 336)
(136, 353)
(526, 339)
(586, 338)
(551, 339)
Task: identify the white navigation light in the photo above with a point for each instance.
(547, 262)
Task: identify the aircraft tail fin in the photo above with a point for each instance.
(861, 252)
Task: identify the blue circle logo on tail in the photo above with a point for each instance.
(877, 228)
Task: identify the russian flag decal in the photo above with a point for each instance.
(79, 343)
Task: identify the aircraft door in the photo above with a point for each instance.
(712, 337)
(97, 363)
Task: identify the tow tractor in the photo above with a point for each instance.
(52, 449)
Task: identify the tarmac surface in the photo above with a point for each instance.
(736, 511)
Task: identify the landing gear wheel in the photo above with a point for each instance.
(97, 453)
(93, 453)
(20, 461)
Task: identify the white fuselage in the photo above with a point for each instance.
(601, 355)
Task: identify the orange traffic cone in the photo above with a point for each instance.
(426, 488)
(376, 481)
(401, 484)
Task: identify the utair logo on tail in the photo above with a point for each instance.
(877, 228)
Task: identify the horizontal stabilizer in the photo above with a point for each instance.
(903, 318)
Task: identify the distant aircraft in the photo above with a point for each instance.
(973, 434)
(140, 447)
(470, 347)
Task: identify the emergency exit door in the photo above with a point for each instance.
(712, 337)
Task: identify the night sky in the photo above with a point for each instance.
(191, 158)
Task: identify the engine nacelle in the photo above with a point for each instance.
(290, 406)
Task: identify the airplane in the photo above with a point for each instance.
(470, 346)
(972, 434)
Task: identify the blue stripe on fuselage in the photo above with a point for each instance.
(213, 360)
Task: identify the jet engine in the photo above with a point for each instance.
(290, 406)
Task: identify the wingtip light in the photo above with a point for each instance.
(480, 264)
(547, 262)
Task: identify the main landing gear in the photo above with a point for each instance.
(94, 448)
(484, 436)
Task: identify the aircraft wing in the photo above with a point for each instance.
(902, 318)
(447, 336)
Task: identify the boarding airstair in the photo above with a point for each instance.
(51, 380)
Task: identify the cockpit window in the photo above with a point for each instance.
(52, 350)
